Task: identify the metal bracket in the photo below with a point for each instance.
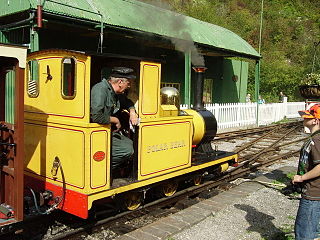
(6, 210)
(8, 144)
(3, 127)
(55, 167)
(4, 152)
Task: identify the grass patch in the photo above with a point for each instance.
(287, 190)
(291, 217)
(287, 233)
(282, 236)
(278, 182)
(285, 180)
(291, 175)
(284, 120)
(287, 228)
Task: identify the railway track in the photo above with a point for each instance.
(252, 131)
(263, 147)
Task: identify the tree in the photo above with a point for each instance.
(289, 31)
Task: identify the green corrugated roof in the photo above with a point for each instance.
(139, 16)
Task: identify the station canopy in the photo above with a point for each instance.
(141, 17)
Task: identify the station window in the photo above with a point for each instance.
(68, 78)
(33, 78)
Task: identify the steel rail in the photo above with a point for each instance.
(273, 144)
(292, 142)
(254, 166)
(250, 131)
(256, 140)
(275, 147)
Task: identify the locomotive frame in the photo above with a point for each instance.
(67, 158)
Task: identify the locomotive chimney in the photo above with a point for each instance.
(198, 96)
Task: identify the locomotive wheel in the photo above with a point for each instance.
(169, 188)
(197, 180)
(132, 200)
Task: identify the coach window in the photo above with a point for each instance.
(33, 78)
(68, 78)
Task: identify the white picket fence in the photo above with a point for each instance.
(231, 115)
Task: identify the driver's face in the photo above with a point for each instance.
(124, 84)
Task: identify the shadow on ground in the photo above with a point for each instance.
(261, 223)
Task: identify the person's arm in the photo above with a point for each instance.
(99, 112)
(116, 122)
(314, 156)
(126, 103)
(133, 117)
(313, 173)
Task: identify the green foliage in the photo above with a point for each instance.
(291, 217)
(285, 179)
(287, 232)
(289, 31)
(291, 175)
(285, 120)
(311, 78)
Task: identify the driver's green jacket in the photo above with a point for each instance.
(104, 104)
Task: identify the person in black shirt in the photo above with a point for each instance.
(308, 216)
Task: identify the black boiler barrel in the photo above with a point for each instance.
(210, 124)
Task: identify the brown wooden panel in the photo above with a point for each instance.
(11, 156)
(19, 140)
(2, 91)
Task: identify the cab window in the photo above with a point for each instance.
(33, 78)
(68, 78)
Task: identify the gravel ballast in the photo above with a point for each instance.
(264, 214)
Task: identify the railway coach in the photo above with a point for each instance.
(53, 157)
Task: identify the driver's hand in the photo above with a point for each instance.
(134, 118)
(116, 122)
(118, 126)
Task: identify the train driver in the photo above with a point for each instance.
(105, 103)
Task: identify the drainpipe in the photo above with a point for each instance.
(101, 33)
(39, 14)
(257, 87)
(187, 82)
(258, 67)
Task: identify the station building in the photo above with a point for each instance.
(134, 28)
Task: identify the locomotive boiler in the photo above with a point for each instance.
(67, 157)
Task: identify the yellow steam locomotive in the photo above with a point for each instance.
(67, 157)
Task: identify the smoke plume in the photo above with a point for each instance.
(183, 42)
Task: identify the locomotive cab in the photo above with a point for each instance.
(68, 158)
(154, 137)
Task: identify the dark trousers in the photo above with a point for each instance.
(122, 150)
